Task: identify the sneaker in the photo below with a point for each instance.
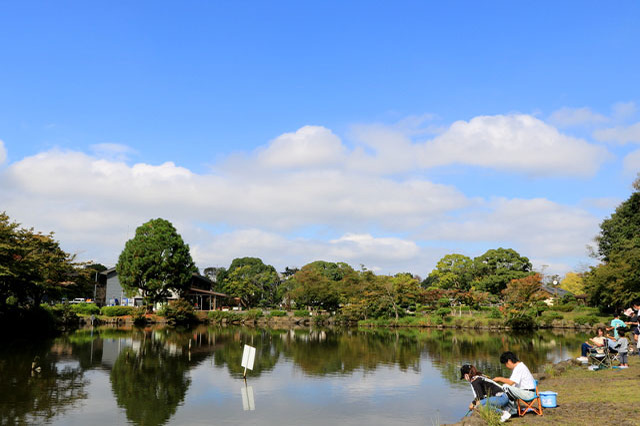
(505, 416)
(582, 359)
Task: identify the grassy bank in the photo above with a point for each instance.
(585, 397)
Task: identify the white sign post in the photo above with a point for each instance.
(248, 357)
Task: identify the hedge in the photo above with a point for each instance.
(117, 311)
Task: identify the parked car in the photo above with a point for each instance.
(77, 300)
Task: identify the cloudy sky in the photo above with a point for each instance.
(383, 134)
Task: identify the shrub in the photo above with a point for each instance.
(277, 313)
(548, 317)
(116, 311)
(254, 314)
(229, 317)
(586, 319)
(495, 313)
(179, 312)
(524, 322)
(563, 308)
(443, 311)
(85, 309)
(301, 313)
(138, 316)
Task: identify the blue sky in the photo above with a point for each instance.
(379, 133)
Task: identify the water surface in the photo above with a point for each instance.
(158, 376)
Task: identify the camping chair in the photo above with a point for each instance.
(600, 357)
(526, 405)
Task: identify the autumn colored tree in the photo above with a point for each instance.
(573, 282)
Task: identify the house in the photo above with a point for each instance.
(109, 292)
(552, 293)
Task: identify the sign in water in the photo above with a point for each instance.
(248, 357)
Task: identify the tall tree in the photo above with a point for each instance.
(497, 267)
(155, 262)
(453, 271)
(253, 282)
(616, 281)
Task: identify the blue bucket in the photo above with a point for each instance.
(548, 399)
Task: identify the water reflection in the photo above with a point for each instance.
(156, 376)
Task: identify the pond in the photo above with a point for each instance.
(156, 376)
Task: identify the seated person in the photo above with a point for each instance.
(521, 384)
(595, 342)
(485, 391)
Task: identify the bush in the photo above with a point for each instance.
(442, 312)
(116, 311)
(524, 322)
(179, 312)
(254, 314)
(495, 313)
(563, 308)
(548, 317)
(85, 309)
(277, 313)
(301, 313)
(586, 319)
(229, 317)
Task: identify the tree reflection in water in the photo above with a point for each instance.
(34, 397)
(150, 381)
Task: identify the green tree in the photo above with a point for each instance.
(155, 262)
(255, 283)
(319, 284)
(616, 281)
(623, 226)
(497, 267)
(453, 271)
(32, 265)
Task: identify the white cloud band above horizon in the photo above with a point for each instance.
(307, 195)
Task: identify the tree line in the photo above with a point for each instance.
(156, 261)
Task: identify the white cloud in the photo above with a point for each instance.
(516, 143)
(305, 196)
(568, 117)
(309, 147)
(3, 153)
(619, 134)
(623, 110)
(631, 163)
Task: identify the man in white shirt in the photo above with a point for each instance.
(521, 384)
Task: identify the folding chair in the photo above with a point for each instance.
(528, 404)
(600, 357)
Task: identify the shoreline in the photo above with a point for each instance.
(605, 397)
